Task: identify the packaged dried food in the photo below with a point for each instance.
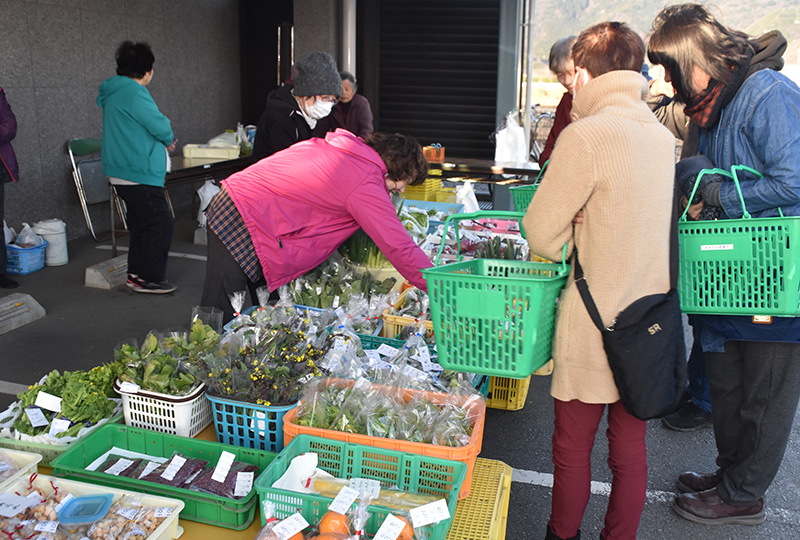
(176, 471)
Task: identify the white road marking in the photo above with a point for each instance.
(775, 515)
(175, 254)
(12, 388)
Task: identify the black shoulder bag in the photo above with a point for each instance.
(645, 347)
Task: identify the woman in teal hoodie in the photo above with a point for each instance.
(136, 141)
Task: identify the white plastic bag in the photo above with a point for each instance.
(224, 139)
(27, 237)
(466, 195)
(511, 142)
(8, 233)
(206, 193)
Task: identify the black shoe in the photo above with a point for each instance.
(689, 417)
(7, 283)
(139, 285)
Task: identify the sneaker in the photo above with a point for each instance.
(139, 285)
(7, 282)
(707, 508)
(134, 282)
(689, 417)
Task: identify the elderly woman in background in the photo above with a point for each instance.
(352, 112)
(561, 65)
(743, 112)
(609, 195)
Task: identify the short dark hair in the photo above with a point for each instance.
(688, 35)
(402, 155)
(347, 76)
(134, 60)
(608, 46)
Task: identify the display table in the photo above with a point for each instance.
(484, 170)
(189, 170)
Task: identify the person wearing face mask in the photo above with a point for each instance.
(285, 214)
(561, 65)
(614, 155)
(293, 110)
(352, 113)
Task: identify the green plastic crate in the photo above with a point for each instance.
(345, 460)
(740, 266)
(495, 317)
(235, 514)
(522, 196)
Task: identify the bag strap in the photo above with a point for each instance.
(583, 288)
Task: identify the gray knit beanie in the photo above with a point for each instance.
(317, 75)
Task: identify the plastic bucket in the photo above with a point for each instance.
(55, 232)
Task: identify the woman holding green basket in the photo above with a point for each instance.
(747, 116)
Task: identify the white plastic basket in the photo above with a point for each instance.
(169, 528)
(28, 463)
(184, 416)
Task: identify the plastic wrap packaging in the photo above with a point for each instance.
(120, 466)
(176, 471)
(8, 467)
(227, 488)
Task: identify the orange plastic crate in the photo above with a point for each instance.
(465, 454)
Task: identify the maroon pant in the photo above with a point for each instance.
(576, 425)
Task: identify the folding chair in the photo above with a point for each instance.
(92, 184)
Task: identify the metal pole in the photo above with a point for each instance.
(529, 27)
(349, 36)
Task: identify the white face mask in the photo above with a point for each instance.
(319, 110)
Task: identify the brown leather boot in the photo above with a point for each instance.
(692, 482)
(707, 508)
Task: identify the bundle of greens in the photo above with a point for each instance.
(497, 247)
(333, 283)
(84, 399)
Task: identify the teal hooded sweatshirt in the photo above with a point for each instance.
(135, 133)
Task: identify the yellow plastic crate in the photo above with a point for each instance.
(446, 195)
(424, 192)
(507, 394)
(484, 514)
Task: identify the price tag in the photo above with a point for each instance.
(162, 511)
(59, 425)
(390, 529)
(68, 497)
(244, 483)
(119, 466)
(12, 504)
(339, 344)
(290, 526)
(372, 354)
(429, 513)
(365, 485)
(48, 401)
(319, 290)
(150, 467)
(344, 500)
(172, 469)
(223, 466)
(387, 350)
(46, 526)
(335, 302)
(305, 378)
(128, 513)
(472, 237)
(36, 416)
(297, 286)
(128, 387)
(312, 330)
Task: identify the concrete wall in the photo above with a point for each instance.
(55, 53)
(316, 27)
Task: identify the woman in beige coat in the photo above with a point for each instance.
(608, 192)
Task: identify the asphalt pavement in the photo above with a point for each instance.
(83, 325)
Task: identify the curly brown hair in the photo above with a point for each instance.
(402, 155)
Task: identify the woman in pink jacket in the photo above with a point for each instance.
(286, 214)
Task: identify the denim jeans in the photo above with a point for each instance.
(698, 387)
(150, 225)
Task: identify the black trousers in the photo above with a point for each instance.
(755, 388)
(150, 225)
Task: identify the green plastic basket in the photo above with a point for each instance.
(410, 472)
(494, 317)
(235, 514)
(523, 195)
(748, 266)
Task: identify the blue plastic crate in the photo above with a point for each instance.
(442, 207)
(20, 260)
(249, 425)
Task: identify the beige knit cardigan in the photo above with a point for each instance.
(616, 163)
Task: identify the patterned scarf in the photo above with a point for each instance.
(705, 108)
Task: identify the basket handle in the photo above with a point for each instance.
(498, 214)
(734, 175)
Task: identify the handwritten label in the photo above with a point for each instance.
(12, 504)
(36, 416)
(312, 330)
(162, 511)
(68, 497)
(372, 354)
(46, 526)
(365, 485)
(128, 387)
(48, 401)
(244, 483)
(290, 526)
(119, 466)
(150, 467)
(339, 344)
(172, 469)
(305, 378)
(59, 425)
(390, 529)
(335, 302)
(387, 350)
(429, 513)
(223, 466)
(344, 500)
(128, 513)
